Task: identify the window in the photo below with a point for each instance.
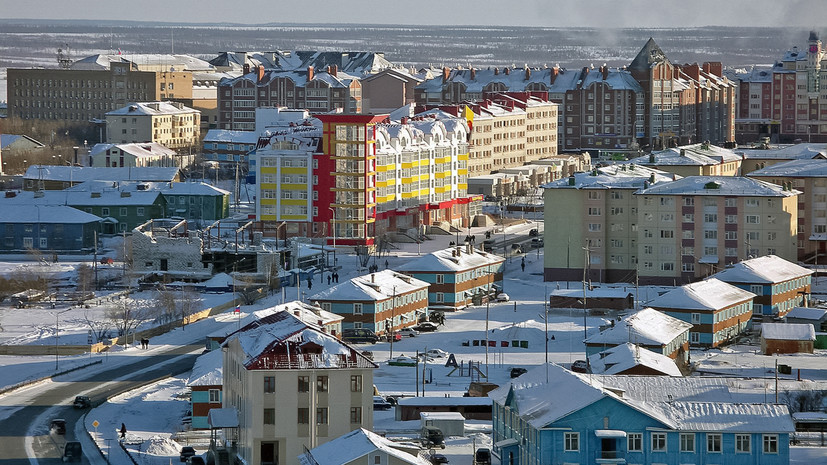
(710, 218)
(269, 416)
(304, 384)
(687, 442)
(770, 444)
(357, 309)
(303, 416)
(594, 227)
(659, 442)
(105, 211)
(269, 384)
(594, 211)
(572, 442)
(355, 383)
(713, 442)
(696, 318)
(753, 219)
(742, 443)
(757, 289)
(440, 297)
(667, 234)
(634, 442)
(215, 396)
(321, 416)
(321, 383)
(356, 414)
(695, 338)
(440, 278)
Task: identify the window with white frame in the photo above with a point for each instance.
(687, 442)
(694, 338)
(742, 444)
(696, 318)
(572, 442)
(440, 279)
(713, 442)
(634, 442)
(357, 308)
(757, 289)
(215, 396)
(770, 443)
(659, 442)
(440, 297)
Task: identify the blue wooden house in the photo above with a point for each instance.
(585, 419)
(48, 228)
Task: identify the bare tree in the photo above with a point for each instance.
(126, 315)
(164, 306)
(175, 305)
(99, 328)
(85, 281)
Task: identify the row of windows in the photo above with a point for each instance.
(322, 384)
(714, 443)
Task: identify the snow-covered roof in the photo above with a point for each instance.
(38, 214)
(361, 63)
(73, 197)
(223, 418)
(805, 151)
(709, 294)
(788, 331)
(694, 155)
(303, 311)
(231, 136)
(7, 140)
(143, 61)
(152, 109)
(719, 186)
(451, 260)
(207, 370)
(626, 356)
(542, 403)
(78, 174)
(667, 388)
(647, 327)
(807, 313)
(767, 269)
(284, 341)
(621, 176)
(138, 150)
(804, 168)
(354, 445)
(442, 400)
(378, 286)
(598, 292)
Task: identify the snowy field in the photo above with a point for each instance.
(155, 412)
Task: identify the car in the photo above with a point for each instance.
(410, 332)
(396, 336)
(516, 248)
(58, 425)
(517, 371)
(503, 297)
(580, 366)
(537, 243)
(82, 402)
(379, 403)
(488, 245)
(436, 353)
(72, 452)
(402, 361)
(534, 232)
(426, 327)
(359, 336)
(196, 460)
(482, 456)
(437, 459)
(187, 452)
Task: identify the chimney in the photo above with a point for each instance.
(446, 71)
(246, 68)
(404, 120)
(554, 72)
(473, 74)
(605, 70)
(260, 72)
(507, 71)
(652, 178)
(651, 158)
(496, 71)
(571, 180)
(309, 73)
(373, 277)
(683, 152)
(528, 74)
(335, 69)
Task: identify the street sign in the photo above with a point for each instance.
(89, 337)
(95, 423)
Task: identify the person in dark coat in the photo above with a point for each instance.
(328, 280)
(309, 284)
(123, 430)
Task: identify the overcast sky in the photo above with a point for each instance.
(551, 13)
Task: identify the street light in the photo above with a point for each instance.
(57, 335)
(333, 227)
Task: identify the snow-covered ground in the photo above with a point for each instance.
(154, 412)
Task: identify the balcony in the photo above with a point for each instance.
(609, 457)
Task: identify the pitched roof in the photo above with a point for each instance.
(77, 174)
(139, 150)
(692, 155)
(626, 356)
(767, 269)
(719, 186)
(377, 286)
(207, 370)
(645, 327)
(709, 294)
(808, 167)
(788, 331)
(649, 55)
(807, 313)
(354, 445)
(37, 214)
(621, 176)
(152, 109)
(451, 260)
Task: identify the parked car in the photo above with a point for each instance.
(58, 425)
(517, 371)
(196, 460)
(396, 336)
(402, 361)
(72, 452)
(437, 459)
(359, 336)
(436, 353)
(379, 403)
(187, 452)
(517, 248)
(410, 332)
(82, 402)
(503, 297)
(534, 232)
(488, 245)
(482, 456)
(426, 327)
(537, 243)
(580, 366)
(431, 436)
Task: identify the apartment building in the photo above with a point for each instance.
(92, 86)
(591, 223)
(787, 101)
(808, 176)
(693, 227)
(134, 155)
(318, 91)
(778, 285)
(294, 387)
(170, 124)
(693, 160)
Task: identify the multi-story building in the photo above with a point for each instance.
(457, 276)
(317, 91)
(52, 177)
(765, 155)
(95, 85)
(597, 211)
(205, 387)
(649, 329)
(390, 89)
(135, 155)
(786, 102)
(693, 160)
(778, 285)
(692, 227)
(383, 302)
(719, 312)
(294, 387)
(808, 176)
(168, 123)
(48, 228)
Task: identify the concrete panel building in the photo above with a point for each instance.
(170, 124)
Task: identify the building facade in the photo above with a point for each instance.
(778, 285)
(47, 228)
(170, 124)
(693, 160)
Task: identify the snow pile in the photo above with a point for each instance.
(162, 445)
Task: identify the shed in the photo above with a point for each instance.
(815, 316)
(451, 423)
(472, 408)
(596, 298)
(787, 338)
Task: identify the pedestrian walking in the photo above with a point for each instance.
(123, 430)
(309, 284)
(522, 264)
(386, 264)
(328, 280)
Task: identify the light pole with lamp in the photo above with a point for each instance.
(333, 227)
(57, 335)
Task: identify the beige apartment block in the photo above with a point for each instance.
(294, 387)
(168, 123)
(694, 160)
(693, 227)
